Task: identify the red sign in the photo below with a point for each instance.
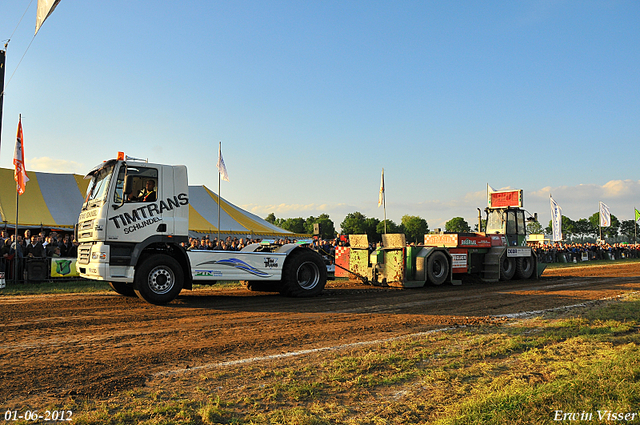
(511, 198)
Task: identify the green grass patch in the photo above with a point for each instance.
(81, 286)
(55, 287)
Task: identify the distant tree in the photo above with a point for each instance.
(391, 227)
(583, 228)
(457, 224)
(629, 229)
(271, 218)
(354, 224)
(483, 223)
(295, 225)
(568, 227)
(327, 229)
(414, 228)
(610, 231)
(371, 229)
(534, 227)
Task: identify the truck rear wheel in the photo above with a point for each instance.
(304, 274)
(159, 279)
(524, 267)
(437, 268)
(123, 288)
(507, 268)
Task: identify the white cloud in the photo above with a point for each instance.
(52, 165)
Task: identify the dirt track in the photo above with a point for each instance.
(95, 345)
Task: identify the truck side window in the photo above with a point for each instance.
(144, 186)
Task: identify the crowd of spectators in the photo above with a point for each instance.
(576, 252)
(207, 243)
(213, 244)
(38, 245)
(33, 246)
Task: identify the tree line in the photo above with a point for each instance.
(590, 227)
(356, 223)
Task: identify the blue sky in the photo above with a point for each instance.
(312, 99)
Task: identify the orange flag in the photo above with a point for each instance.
(20, 173)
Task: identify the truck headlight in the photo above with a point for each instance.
(100, 256)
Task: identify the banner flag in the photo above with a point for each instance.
(556, 220)
(20, 173)
(637, 214)
(605, 215)
(45, 8)
(381, 194)
(222, 169)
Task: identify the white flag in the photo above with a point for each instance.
(605, 215)
(45, 8)
(222, 169)
(381, 195)
(556, 220)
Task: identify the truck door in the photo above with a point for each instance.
(134, 212)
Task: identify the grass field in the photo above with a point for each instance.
(580, 366)
(524, 371)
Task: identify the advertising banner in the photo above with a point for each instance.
(64, 267)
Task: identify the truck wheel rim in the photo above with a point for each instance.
(308, 275)
(438, 269)
(161, 280)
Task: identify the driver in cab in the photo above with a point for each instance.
(148, 194)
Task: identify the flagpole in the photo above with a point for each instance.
(219, 150)
(384, 207)
(15, 254)
(2, 63)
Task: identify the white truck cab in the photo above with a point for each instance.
(136, 217)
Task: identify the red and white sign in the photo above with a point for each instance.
(505, 198)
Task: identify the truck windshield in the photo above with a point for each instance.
(97, 190)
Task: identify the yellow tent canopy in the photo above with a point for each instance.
(50, 200)
(55, 200)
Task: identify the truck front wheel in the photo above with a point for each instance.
(304, 274)
(159, 279)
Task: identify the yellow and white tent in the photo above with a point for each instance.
(203, 217)
(55, 200)
(50, 200)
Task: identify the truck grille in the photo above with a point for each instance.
(84, 254)
(85, 229)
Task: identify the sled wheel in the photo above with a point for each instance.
(437, 268)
